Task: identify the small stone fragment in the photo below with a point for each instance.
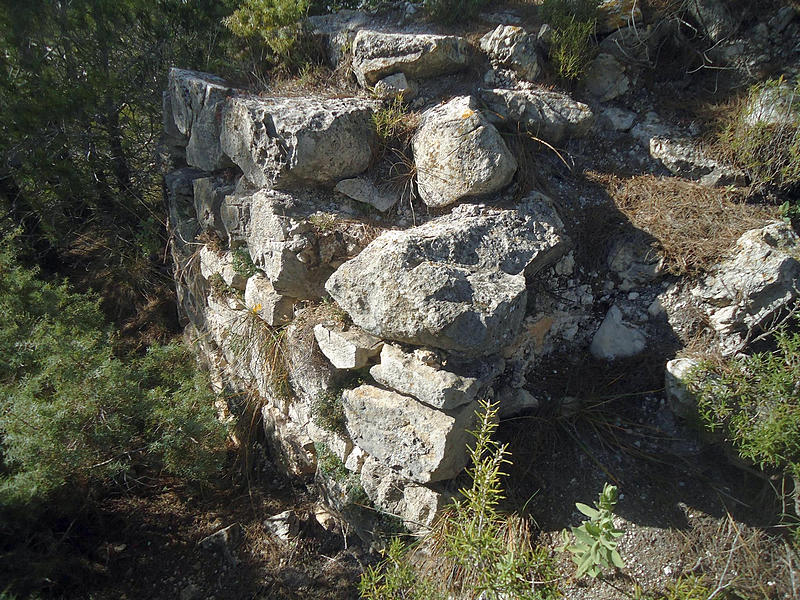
(616, 338)
(606, 79)
(284, 526)
(394, 86)
(363, 190)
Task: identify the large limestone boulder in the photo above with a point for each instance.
(377, 55)
(754, 286)
(427, 381)
(420, 443)
(552, 116)
(459, 153)
(196, 101)
(511, 47)
(286, 142)
(456, 282)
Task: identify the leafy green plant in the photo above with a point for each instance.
(327, 412)
(596, 539)
(572, 46)
(396, 579)
(452, 12)
(242, 263)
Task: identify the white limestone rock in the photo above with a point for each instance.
(221, 263)
(683, 158)
(363, 190)
(680, 398)
(617, 338)
(377, 55)
(351, 349)
(396, 85)
(290, 142)
(419, 442)
(606, 79)
(260, 297)
(511, 47)
(456, 282)
(458, 153)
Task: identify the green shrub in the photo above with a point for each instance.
(768, 153)
(754, 403)
(327, 412)
(595, 539)
(454, 11)
(242, 263)
(74, 417)
(474, 550)
(572, 47)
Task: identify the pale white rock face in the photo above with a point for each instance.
(456, 282)
(289, 142)
(396, 85)
(377, 55)
(616, 338)
(363, 190)
(512, 47)
(685, 159)
(416, 504)
(606, 79)
(419, 442)
(351, 349)
(260, 297)
(774, 105)
(436, 387)
(459, 153)
(220, 263)
(196, 102)
(676, 389)
(551, 116)
(754, 286)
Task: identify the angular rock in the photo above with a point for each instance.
(420, 443)
(683, 158)
(750, 290)
(180, 199)
(260, 297)
(617, 119)
(511, 47)
(221, 263)
(714, 18)
(337, 31)
(456, 282)
(283, 526)
(615, 14)
(209, 193)
(351, 349)
(363, 190)
(196, 101)
(432, 385)
(459, 153)
(552, 116)
(225, 541)
(377, 55)
(286, 142)
(634, 261)
(617, 338)
(415, 504)
(515, 401)
(681, 400)
(394, 86)
(606, 78)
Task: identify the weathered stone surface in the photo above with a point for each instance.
(196, 102)
(417, 505)
(614, 14)
(283, 526)
(377, 55)
(774, 105)
(551, 116)
(634, 261)
(220, 263)
(683, 158)
(713, 17)
(681, 400)
(394, 86)
(515, 401)
(363, 190)
(459, 153)
(431, 384)
(337, 31)
(616, 119)
(260, 297)
(617, 338)
(750, 289)
(285, 142)
(209, 193)
(606, 78)
(351, 349)
(420, 443)
(457, 282)
(512, 47)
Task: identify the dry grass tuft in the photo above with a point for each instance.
(694, 225)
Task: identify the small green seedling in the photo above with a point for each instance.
(595, 539)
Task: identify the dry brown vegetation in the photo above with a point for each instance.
(695, 226)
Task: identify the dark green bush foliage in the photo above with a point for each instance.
(573, 45)
(454, 11)
(327, 412)
(76, 418)
(754, 402)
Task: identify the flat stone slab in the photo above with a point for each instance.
(351, 349)
(260, 297)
